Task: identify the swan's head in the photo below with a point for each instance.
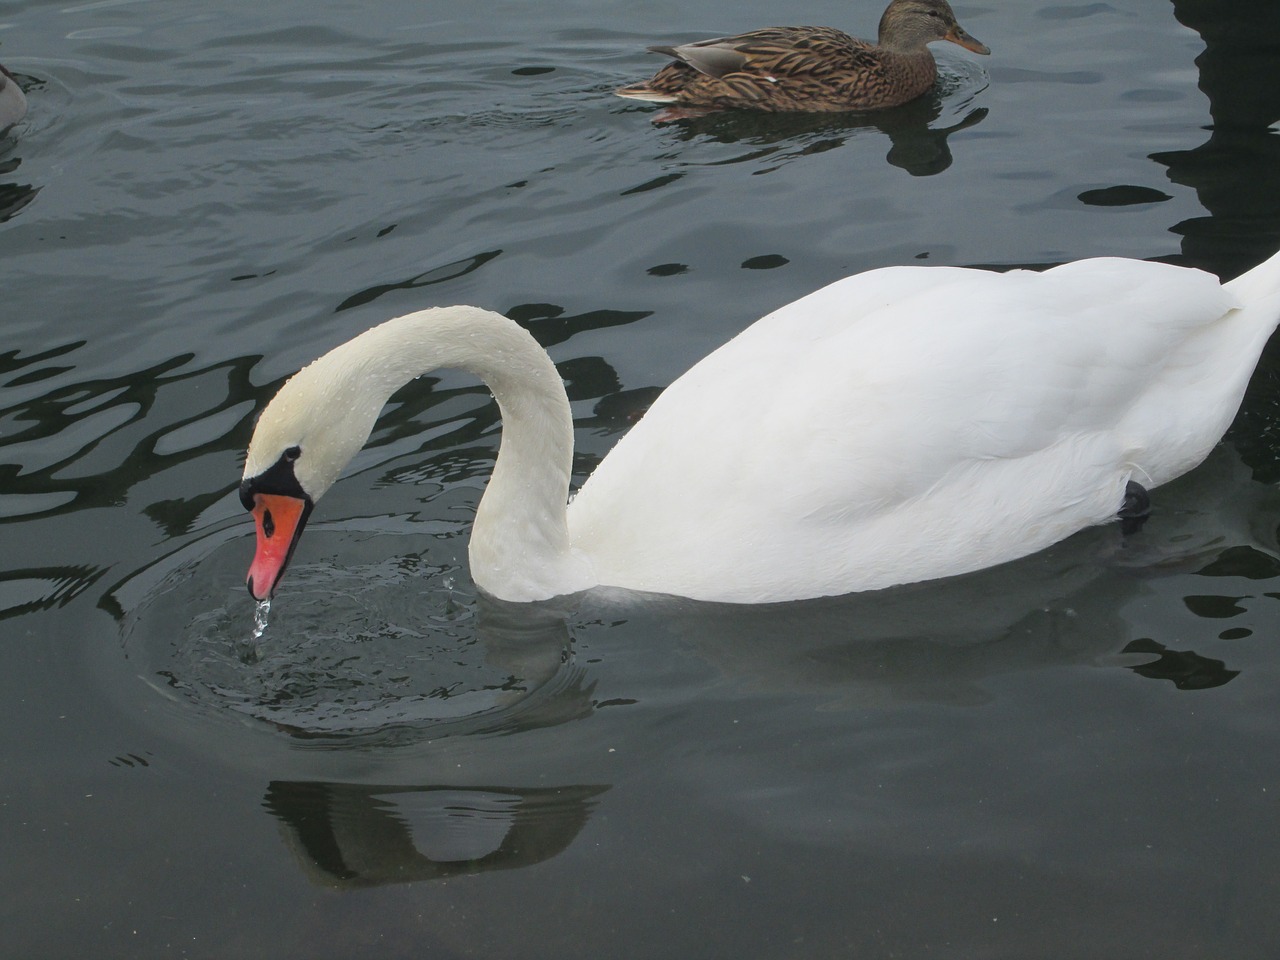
(308, 432)
(322, 417)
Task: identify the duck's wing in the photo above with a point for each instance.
(773, 68)
(774, 51)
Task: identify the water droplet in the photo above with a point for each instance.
(247, 650)
(260, 613)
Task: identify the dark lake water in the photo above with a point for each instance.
(1074, 755)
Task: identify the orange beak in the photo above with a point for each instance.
(279, 519)
(958, 35)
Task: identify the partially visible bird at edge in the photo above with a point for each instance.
(13, 102)
(808, 69)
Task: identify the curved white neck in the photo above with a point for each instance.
(520, 543)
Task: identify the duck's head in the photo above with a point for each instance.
(912, 23)
(308, 432)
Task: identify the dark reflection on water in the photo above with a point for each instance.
(1183, 668)
(441, 274)
(1234, 171)
(550, 325)
(1246, 562)
(24, 591)
(348, 835)
(918, 146)
(64, 446)
(1124, 195)
(13, 196)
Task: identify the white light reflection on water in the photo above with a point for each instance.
(249, 651)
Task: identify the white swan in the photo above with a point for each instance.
(899, 425)
(13, 102)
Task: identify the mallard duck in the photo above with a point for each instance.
(904, 424)
(817, 69)
(13, 102)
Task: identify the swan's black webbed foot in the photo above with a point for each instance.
(1135, 509)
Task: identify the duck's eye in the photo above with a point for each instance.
(293, 453)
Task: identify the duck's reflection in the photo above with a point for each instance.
(349, 835)
(916, 146)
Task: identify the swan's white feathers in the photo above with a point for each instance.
(903, 424)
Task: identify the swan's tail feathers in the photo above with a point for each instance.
(1262, 282)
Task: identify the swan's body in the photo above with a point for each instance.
(899, 425)
(13, 102)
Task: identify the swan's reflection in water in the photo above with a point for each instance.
(347, 835)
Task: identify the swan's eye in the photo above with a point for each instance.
(293, 453)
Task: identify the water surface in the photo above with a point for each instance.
(1073, 755)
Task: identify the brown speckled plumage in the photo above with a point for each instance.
(817, 69)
